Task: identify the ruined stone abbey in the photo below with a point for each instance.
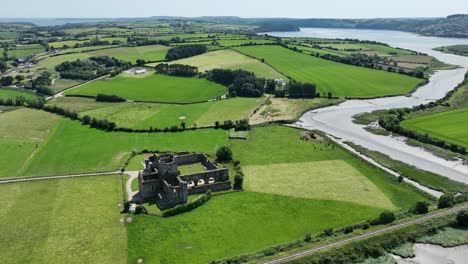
(162, 182)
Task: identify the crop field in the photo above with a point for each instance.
(329, 76)
(55, 222)
(275, 147)
(451, 126)
(145, 115)
(155, 88)
(243, 221)
(132, 54)
(316, 180)
(73, 148)
(229, 59)
(10, 93)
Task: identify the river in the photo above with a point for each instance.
(337, 120)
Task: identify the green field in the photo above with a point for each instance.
(238, 42)
(55, 221)
(131, 54)
(62, 84)
(22, 131)
(69, 43)
(380, 49)
(234, 224)
(274, 147)
(72, 148)
(229, 59)
(78, 104)
(25, 50)
(156, 88)
(145, 115)
(49, 63)
(329, 76)
(11, 93)
(455, 49)
(451, 126)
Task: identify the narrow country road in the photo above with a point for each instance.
(367, 235)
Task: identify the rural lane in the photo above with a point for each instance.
(367, 235)
(26, 179)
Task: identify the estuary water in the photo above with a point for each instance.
(337, 120)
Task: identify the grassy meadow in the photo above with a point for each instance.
(329, 76)
(55, 221)
(451, 126)
(73, 148)
(146, 115)
(12, 94)
(156, 88)
(132, 54)
(229, 59)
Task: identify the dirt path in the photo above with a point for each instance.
(27, 179)
(60, 94)
(128, 185)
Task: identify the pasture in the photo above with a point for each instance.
(78, 104)
(62, 84)
(132, 54)
(56, 222)
(232, 60)
(155, 88)
(451, 126)
(12, 93)
(275, 147)
(22, 132)
(146, 115)
(25, 50)
(74, 148)
(243, 221)
(49, 63)
(337, 78)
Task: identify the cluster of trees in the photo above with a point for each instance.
(185, 51)
(224, 154)
(17, 101)
(92, 68)
(109, 98)
(6, 80)
(139, 41)
(3, 66)
(177, 70)
(391, 122)
(240, 83)
(179, 209)
(239, 125)
(449, 200)
(302, 90)
(238, 177)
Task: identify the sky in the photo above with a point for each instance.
(242, 8)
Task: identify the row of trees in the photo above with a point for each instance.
(177, 70)
(92, 68)
(239, 125)
(185, 51)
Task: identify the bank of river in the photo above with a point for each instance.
(337, 120)
(433, 254)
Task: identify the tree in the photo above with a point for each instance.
(386, 217)
(3, 66)
(140, 62)
(224, 154)
(462, 218)
(446, 200)
(308, 238)
(19, 78)
(6, 81)
(421, 208)
(238, 182)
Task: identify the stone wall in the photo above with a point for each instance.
(214, 187)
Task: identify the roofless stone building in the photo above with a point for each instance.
(162, 182)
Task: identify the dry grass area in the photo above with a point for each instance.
(334, 180)
(276, 109)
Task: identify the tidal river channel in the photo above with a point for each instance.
(337, 121)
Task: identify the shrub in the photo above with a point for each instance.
(224, 154)
(420, 208)
(446, 200)
(462, 218)
(386, 217)
(308, 238)
(109, 98)
(238, 182)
